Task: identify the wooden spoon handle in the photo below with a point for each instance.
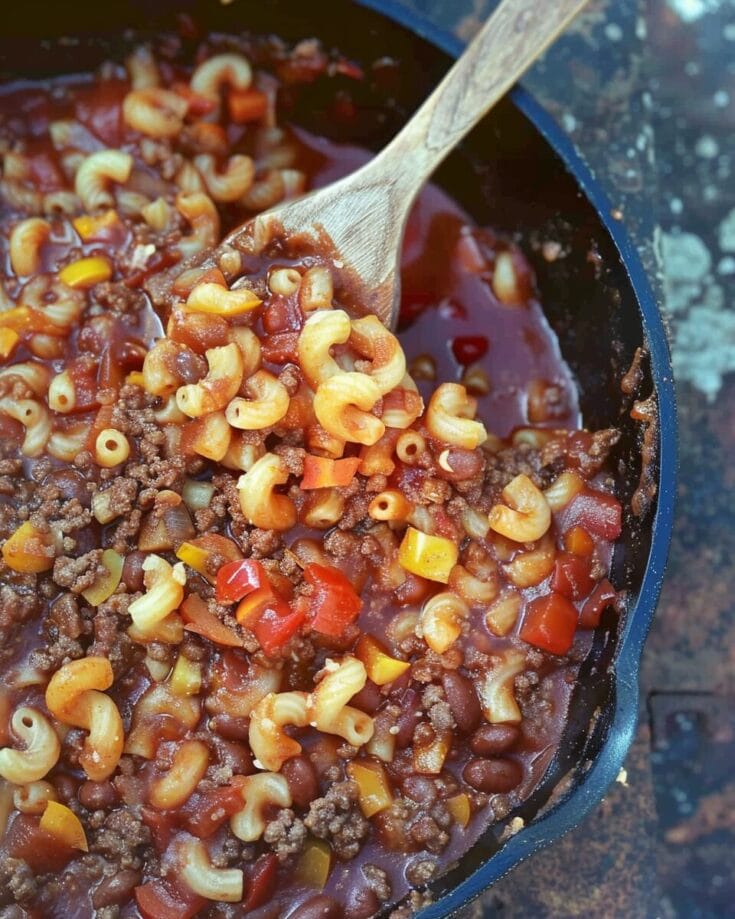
(506, 46)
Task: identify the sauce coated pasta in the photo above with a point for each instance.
(291, 607)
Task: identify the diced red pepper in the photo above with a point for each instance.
(236, 580)
(168, 900)
(199, 619)
(603, 596)
(246, 105)
(596, 511)
(252, 607)
(572, 576)
(203, 814)
(321, 472)
(334, 602)
(261, 881)
(277, 624)
(550, 623)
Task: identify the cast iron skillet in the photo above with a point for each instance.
(520, 174)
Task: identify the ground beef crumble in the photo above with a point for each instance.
(337, 818)
(286, 834)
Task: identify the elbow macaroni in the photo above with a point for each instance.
(26, 242)
(97, 172)
(74, 697)
(41, 748)
(198, 873)
(342, 406)
(164, 593)
(321, 332)
(450, 417)
(259, 502)
(268, 405)
(219, 386)
(261, 791)
(526, 516)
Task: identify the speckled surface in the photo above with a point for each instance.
(646, 89)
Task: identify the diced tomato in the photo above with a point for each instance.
(246, 105)
(282, 315)
(602, 597)
(276, 625)
(469, 348)
(321, 472)
(199, 619)
(281, 348)
(596, 511)
(334, 603)
(572, 576)
(550, 623)
(162, 825)
(203, 814)
(83, 376)
(261, 880)
(198, 105)
(168, 900)
(236, 580)
(41, 850)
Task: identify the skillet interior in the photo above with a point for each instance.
(525, 189)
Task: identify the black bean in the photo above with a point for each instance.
(491, 739)
(302, 780)
(462, 699)
(319, 907)
(408, 719)
(493, 776)
(116, 889)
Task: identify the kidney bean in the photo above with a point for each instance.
(66, 787)
(408, 719)
(491, 739)
(462, 700)
(319, 907)
(261, 878)
(230, 727)
(71, 484)
(97, 795)
(420, 788)
(302, 780)
(493, 776)
(368, 699)
(116, 889)
(362, 903)
(235, 755)
(132, 573)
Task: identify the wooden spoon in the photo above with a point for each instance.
(364, 214)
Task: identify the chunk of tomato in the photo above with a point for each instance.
(167, 900)
(203, 814)
(550, 623)
(572, 576)
(596, 511)
(334, 603)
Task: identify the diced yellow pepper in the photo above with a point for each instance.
(170, 631)
(428, 758)
(186, 679)
(88, 225)
(9, 338)
(86, 272)
(193, 556)
(105, 585)
(380, 666)
(28, 550)
(19, 318)
(374, 793)
(459, 807)
(312, 868)
(64, 824)
(135, 378)
(431, 557)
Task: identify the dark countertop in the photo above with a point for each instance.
(648, 96)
